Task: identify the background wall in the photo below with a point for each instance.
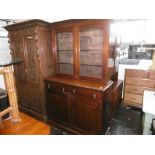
(4, 49)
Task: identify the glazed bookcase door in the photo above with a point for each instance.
(91, 51)
(64, 52)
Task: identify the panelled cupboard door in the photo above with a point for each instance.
(18, 52)
(22, 94)
(19, 71)
(34, 94)
(86, 115)
(31, 59)
(34, 98)
(57, 108)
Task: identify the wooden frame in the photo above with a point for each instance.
(69, 29)
(10, 87)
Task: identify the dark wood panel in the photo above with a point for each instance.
(57, 108)
(34, 97)
(86, 115)
(19, 72)
(17, 46)
(31, 59)
(22, 94)
(18, 52)
(117, 94)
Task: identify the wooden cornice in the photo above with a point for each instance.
(28, 23)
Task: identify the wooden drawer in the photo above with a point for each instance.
(58, 88)
(136, 89)
(136, 73)
(87, 93)
(140, 82)
(129, 97)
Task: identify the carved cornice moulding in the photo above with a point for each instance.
(28, 23)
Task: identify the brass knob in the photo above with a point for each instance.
(74, 91)
(48, 85)
(94, 96)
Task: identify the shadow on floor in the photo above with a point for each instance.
(56, 131)
(126, 121)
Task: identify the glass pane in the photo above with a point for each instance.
(64, 42)
(91, 49)
(91, 71)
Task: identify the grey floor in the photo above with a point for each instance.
(126, 121)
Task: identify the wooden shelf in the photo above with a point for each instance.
(67, 63)
(87, 50)
(91, 65)
(65, 50)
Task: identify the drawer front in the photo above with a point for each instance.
(133, 98)
(136, 73)
(140, 82)
(58, 88)
(136, 89)
(87, 93)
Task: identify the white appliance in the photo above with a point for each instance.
(149, 102)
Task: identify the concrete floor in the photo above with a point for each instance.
(126, 121)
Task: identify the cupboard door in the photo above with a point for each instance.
(19, 71)
(22, 94)
(91, 51)
(57, 108)
(64, 52)
(86, 115)
(34, 98)
(31, 59)
(18, 52)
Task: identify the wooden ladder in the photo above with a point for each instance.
(7, 72)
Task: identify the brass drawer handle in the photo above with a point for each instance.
(63, 89)
(74, 91)
(48, 85)
(94, 96)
